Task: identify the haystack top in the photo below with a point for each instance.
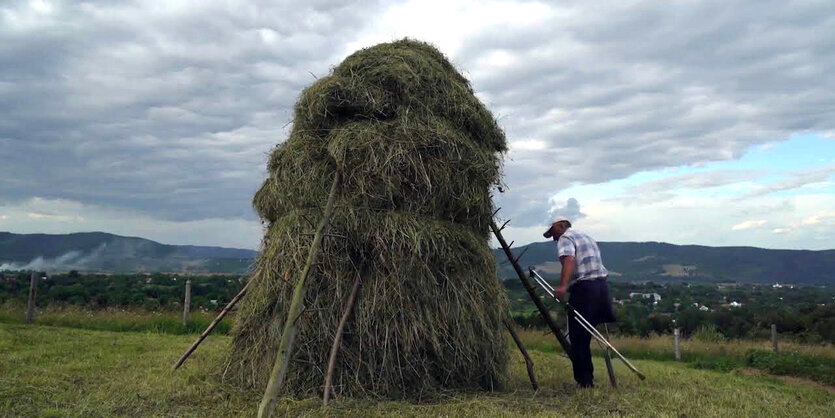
(404, 79)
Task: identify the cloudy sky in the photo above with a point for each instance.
(709, 122)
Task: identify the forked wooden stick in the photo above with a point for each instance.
(528, 362)
(349, 305)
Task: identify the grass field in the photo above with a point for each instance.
(114, 319)
(815, 362)
(52, 371)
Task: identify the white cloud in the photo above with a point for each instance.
(54, 217)
(816, 176)
(748, 225)
(812, 220)
(700, 220)
(60, 216)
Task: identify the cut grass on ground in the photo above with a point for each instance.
(49, 371)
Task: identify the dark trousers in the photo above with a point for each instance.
(591, 299)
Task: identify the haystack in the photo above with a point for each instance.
(419, 155)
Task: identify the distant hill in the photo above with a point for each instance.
(660, 262)
(628, 261)
(99, 251)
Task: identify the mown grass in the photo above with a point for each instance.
(115, 319)
(51, 371)
(816, 362)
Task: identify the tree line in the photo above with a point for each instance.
(805, 313)
(158, 291)
(731, 310)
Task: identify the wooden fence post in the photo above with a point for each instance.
(187, 303)
(774, 337)
(676, 338)
(33, 293)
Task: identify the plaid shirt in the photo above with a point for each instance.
(588, 262)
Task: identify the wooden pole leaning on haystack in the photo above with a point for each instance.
(528, 362)
(285, 349)
(546, 315)
(349, 305)
(211, 327)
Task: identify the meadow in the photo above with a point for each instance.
(56, 371)
(814, 362)
(114, 319)
(705, 349)
(122, 367)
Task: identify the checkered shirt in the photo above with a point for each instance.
(588, 262)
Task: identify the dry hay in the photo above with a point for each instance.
(420, 155)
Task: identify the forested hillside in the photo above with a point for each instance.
(661, 262)
(627, 261)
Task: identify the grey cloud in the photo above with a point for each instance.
(170, 112)
(662, 189)
(570, 210)
(795, 180)
(622, 89)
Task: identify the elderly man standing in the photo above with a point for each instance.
(584, 276)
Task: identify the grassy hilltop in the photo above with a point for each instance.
(49, 371)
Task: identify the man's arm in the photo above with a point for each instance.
(567, 271)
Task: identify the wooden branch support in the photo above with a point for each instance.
(546, 316)
(521, 254)
(610, 369)
(528, 362)
(285, 349)
(211, 327)
(608, 357)
(501, 228)
(337, 340)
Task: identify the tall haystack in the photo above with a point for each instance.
(419, 155)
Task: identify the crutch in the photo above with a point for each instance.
(583, 322)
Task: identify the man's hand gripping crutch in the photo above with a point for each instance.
(583, 322)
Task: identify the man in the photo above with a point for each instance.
(584, 276)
